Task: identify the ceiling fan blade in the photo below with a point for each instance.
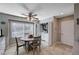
(35, 18)
(35, 15)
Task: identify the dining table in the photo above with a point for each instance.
(27, 41)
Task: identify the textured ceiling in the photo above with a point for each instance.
(44, 10)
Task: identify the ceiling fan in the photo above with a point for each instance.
(30, 14)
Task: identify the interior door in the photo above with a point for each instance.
(67, 32)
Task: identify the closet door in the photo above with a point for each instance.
(67, 32)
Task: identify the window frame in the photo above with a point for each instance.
(24, 22)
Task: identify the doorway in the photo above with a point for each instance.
(64, 30)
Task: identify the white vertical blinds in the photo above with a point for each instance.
(20, 29)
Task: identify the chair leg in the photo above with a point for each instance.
(33, 51)
(25, 45)
(39, 48)
(17, 50)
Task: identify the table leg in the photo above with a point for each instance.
(25, 45)
(28, 47)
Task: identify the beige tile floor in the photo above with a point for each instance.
(56, 49)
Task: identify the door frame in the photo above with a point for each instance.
(57, 27)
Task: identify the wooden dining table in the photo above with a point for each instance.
(27, 41)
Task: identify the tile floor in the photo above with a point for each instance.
(56, 49)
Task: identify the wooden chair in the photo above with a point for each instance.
(19, 45)
(36, 44)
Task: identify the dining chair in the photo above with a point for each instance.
(36, 44)
(19, 45)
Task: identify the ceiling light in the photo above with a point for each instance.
(61, 13)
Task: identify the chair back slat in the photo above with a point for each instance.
(16, 41)
(37, 40)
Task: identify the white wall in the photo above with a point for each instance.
(2, 45)
(47, 37)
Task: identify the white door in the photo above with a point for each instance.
(67, 32)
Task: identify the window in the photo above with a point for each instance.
(20, 29)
